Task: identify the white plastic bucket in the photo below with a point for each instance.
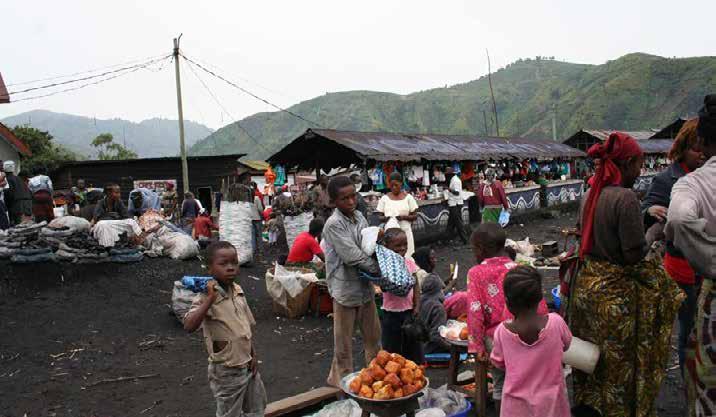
(582, 355)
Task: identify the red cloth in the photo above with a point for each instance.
(493, 195)
(303, 249)
(618, 147)
(267, 213)
(203, 226)
(679, 269)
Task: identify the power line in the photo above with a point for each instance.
(89, 77)
(250, 93)
(236, 122)
(85, 72)
(87, 84)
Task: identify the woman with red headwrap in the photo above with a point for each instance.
(620, 302)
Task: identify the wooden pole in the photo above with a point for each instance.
(182, 144)
(492, 93)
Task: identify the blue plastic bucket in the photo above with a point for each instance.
(465, 412)
(557, 299)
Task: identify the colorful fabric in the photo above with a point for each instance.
(629, 313)
(618, 147)
(394, 303)
(395, 277)
(679, 269)
(534, 384)
(701, 355)
(491, 214)
(487, 300)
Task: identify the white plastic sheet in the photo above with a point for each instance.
(235, 227)
(107, 231)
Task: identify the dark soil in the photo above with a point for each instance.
(68, 330)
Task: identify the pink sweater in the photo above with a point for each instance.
(487, 307)
(397, 304)
(534, 383)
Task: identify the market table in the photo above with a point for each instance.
(479, 394)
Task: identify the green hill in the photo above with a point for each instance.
(634, 92)
(148, 138)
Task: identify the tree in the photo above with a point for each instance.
(108, 150)
(45, 153)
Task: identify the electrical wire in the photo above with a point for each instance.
(236, 122)
(81, 86)
(203, 68)
(89, 77)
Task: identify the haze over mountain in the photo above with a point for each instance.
(635, 92)
(148, 138)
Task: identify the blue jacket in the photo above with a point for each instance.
(150, 200)
(659, 193)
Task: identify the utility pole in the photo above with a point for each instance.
(554, 122)
(184, 165)
(494, 105)
(484, 118)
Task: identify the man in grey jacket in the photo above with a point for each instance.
(353, 297)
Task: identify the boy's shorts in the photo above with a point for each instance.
(238, 393)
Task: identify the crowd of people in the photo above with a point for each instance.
(623, 296)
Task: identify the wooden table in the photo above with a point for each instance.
(479, 394)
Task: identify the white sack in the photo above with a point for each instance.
(76, 224)
(107, 231)
(294, 225)
(235, 227)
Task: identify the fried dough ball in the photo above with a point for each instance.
(420, 384)
(410, 389)
(397, 358)
(365, 391)
(393, 380)
(373, 363)
(392, 367)
(463, 333)
(355, 385)
(377, 385)
(382, 358)
(418, 373)
(377, 373)
(407, 376)
(411, 365)
(398, 393)
(365, 377)
(385, 393)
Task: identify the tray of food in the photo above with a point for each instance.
(454, 332)
(389, 377)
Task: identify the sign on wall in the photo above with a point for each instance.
(157, 185)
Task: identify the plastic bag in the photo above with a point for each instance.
(504, 219)
(235, 227)
(294, 225)
(76, 224)
(431, 412)
(107, 231)
(523, 247)
(181, 300)
(450, 402)
(178, 245)
(294, 282)
(369, 239)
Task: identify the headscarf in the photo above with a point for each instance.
(8, 166)
(490, 175)
(618, 147)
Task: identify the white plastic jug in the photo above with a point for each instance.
(582, 355)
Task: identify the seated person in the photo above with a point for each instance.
(306, 246)
(111, 206)
(432, 311)
(203, 225)
(141, 200)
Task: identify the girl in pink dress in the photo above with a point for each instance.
(529, 348)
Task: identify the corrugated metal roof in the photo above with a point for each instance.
(13, 140)
(604, 134)
(385, 146)
(656, 145)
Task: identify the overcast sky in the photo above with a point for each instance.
(290, 51)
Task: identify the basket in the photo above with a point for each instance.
(295, 306)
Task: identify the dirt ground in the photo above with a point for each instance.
(70, 334)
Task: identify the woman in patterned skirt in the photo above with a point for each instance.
(620, 302)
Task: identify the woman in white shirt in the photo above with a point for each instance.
(399, 205)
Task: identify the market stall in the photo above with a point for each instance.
(563, 192)
(423, 160)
